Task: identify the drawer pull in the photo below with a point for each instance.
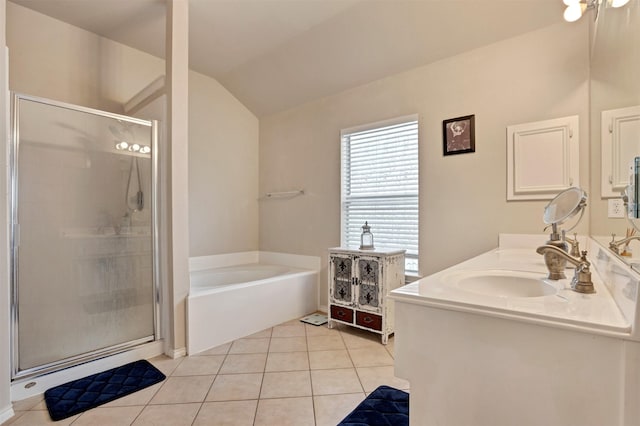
(368, 320)
(341, 313)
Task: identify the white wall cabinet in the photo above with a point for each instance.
(542, 158)
(359, 282)
(620, 142)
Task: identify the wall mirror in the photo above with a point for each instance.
(615, 94)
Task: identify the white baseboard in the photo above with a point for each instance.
(6, 414)
(176, 353)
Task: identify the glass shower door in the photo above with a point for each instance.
(83, 234)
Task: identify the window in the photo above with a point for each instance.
(380, 186)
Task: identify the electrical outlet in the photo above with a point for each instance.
(616, 208)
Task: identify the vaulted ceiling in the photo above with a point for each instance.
(276, 54)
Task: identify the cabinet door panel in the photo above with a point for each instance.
(342, 278)
(369, 283)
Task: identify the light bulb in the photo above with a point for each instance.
(570, 2)
(122, 145)
(145, 149)
(573, 13)
(618, 3)
(135, 147)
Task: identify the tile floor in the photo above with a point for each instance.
(292, 374)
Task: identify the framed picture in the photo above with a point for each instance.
(458, 135)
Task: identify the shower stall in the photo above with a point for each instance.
(83, 235)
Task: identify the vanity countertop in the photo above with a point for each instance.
(595, 313)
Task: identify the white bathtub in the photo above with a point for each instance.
(235, 295)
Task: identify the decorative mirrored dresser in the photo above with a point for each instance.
(359, 281)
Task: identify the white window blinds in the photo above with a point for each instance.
(380, 185)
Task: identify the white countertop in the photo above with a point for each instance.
(595, 313)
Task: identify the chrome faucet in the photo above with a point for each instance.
(574, 243)
(581, 281)
(615, 245)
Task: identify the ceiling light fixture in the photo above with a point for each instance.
(576, 8)
(618, 3)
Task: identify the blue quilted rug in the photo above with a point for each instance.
(385, 406)
(83, 394)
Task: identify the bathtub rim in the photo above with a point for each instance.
(198, 263)
(292, 272)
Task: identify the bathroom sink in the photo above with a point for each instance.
(503, 283)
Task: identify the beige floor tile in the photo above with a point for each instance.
(235, 387)
(370, 357)
(295, 321)
(391, 346)
(286, 384)
(260, 334)
(166, 364)
(287, 361)
(229, 413)
(288, 344)
(141, 397)
(372, 377)
(14, 419)
(27, 403)
(176, 390)
(218, 350)
(41, 406)
(250, 346)
(360, 339)
(320, 360)
(285, 412)
(331, 409)
(40, 417)
(330, 382)
(112, 416)
(319, 330)
(325, 343)
(293, 330)
(199, 365)
(173, 414)
(243, 363)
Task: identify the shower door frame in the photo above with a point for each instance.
(14, 242)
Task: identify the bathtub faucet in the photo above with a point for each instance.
(581, 281)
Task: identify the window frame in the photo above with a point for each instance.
(343, 198)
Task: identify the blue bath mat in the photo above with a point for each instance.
(385, 406)
(89, 392)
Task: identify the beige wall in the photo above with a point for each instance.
(223, 170)
(536, 76)
(55, 60)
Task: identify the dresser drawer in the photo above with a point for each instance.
(341, 313)
(366, 319)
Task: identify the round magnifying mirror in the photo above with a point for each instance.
(564, 206)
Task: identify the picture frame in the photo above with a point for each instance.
(458, 135)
